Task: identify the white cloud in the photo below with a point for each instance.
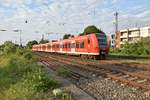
(64, 16)
(9, 3)
(144, 14)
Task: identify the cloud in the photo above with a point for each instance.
(116, 1)
(65, 16)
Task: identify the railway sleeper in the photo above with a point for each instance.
(134, 84)
(133, 78)
(141, 81)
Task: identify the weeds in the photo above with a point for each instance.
(22, 79)
(139, 48)
(63, 72)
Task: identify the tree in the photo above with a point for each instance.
(31, 43)
(1, 47)
(141, 47)
(9, 47)
(91, 29)
(66, 36)
(43, 41)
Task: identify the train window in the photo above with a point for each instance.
(68, 45)
(77, 45)
(53, 46)
(82, 45)
(49, 46)
(73, 45)
(88, 41)
(60, 46)
(64, 45)
(57, 45)
(44, 47)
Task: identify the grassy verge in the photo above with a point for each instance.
(140, 61)
(127, 55)
(22, 79)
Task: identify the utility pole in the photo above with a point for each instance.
(116, 22)
(42, 36)
(20, 31)
(116, 28)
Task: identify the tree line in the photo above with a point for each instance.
(8, 44)
(139, 48)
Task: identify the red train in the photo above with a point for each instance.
(94, 45)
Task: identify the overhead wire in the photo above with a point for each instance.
(53, 18)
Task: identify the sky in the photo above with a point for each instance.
(59, 17)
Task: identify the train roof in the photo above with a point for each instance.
(67, 40)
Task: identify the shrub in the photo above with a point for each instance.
(138, 48)
(20, 51)
(28, 55)
(41, 81)
(9, 47)
(23, 80)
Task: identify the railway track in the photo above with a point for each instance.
(132, 65)
(126, 77)
(74, 76)
(127, 57)
(54, 67)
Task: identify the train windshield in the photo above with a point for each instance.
(102, 40)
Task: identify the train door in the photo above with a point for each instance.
(73, 47)
(88, 44)
(61, 47)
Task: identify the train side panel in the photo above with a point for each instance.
(92, 44)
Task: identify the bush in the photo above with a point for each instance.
(9, 47)
(62, 95)
(41, 81)
(28, 55)
(139, 48)
(21, 79)
(115, 50)
(20, 51)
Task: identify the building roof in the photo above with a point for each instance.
(133, 29)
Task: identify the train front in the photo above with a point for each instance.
(103, 44)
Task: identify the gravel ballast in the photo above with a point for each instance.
(105, 89)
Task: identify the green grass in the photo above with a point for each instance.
(141, 61)
(65, 96)
(120, 54)
(22, 79)
(63, 72)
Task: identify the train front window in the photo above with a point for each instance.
(102, 40)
